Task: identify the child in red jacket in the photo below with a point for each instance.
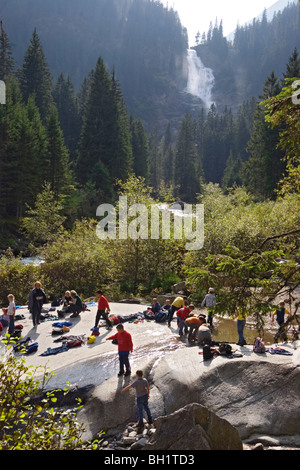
(125, 346)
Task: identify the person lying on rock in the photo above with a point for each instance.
(142, 390)
(125, 346)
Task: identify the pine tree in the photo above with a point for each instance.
(140, 148)
(93, 146)
(59, 174)
(186, 177)
(120, 162)
(68, 113)
(22, 153)
(35, 77)
(168, 157)
(262, 172)
(105, 152)
(155, 159)
(6, 60)
(293, 66)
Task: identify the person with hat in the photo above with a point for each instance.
(209, 302)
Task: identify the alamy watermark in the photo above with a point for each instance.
(296, 95)
(2, 92)
(138, 221)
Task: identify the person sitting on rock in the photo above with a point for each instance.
(67, 301)
(167, 307)
(76, 307)
(155, 306)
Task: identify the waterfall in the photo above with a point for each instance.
(200, 79)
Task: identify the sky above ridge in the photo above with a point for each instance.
(196, 15)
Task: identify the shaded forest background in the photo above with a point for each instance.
(96, 107)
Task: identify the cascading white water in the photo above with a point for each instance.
(200, 79)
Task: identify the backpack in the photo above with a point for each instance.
(31, 348)
(207, 354)
(95, 331)
(225, 349)
(160, 317)
(56, 302)
(259, 346)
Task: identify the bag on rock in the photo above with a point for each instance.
(161, 317)
(225, 349)
(207, 354)
(259, 346)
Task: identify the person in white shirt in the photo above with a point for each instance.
(10, 311)
(209, 302)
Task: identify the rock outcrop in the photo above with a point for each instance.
(193, 427)
(256, 394)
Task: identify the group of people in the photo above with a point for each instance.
(195, 326)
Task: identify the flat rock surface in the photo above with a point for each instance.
(256, 393)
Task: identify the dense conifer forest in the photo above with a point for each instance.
(80, 129)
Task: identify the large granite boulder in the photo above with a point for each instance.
(193, 427)
(256, 394)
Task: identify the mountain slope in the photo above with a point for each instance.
(142, 40)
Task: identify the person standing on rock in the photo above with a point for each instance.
(178, 303)
(209, 301)
(241, 322)
(125, 346)
(103, 309)
(37, 298)
(280, 312)
(142, 390)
